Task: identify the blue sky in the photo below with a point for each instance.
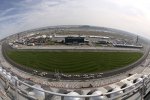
(20, 15)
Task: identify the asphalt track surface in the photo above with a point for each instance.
(58, 76)
(77, 48)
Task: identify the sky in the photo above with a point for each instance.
(129, 15)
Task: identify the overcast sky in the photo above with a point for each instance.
(128, 15)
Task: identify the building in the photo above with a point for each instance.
(102, 42)
(74, 40)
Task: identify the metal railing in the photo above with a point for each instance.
(122, 93)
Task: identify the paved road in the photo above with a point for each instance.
(63, 47)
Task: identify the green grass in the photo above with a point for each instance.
(74, 62)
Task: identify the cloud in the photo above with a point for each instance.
(129, 15)
(6, 11)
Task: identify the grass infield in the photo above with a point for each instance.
(74, 62)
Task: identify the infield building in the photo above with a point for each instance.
(74, 40)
